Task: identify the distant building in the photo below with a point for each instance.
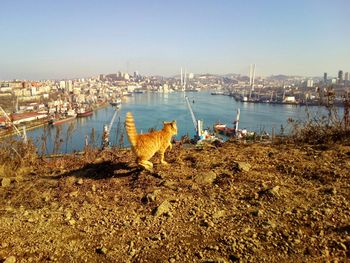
(289, 99)
(347, 76)
(62, 84)
(33, 91)
(309, 83)
(325, 77)
(340, 76)
(190, 75)
(69, 86)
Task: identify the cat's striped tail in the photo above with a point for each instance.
(130, 128)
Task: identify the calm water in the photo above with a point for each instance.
(150, 109)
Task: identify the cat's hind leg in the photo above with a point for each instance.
(162, 161)
(146, 164)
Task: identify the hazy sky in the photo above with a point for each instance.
(76, 38)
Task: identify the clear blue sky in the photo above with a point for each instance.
(75, 38)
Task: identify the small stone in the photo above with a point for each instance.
(274, 191)
(80, 181)
(4, 245)
(73, 194)
(18, 178)
(68, 215)
(101, 250)
(297, 241)
(93, 188)
(331, 191)
(241, 166)
(162, 209)
(342, 246)
(218, 214)
(5, 182)
(256, 212)
(10, 259)
(72, 222)
(150, 197)
(206, 178)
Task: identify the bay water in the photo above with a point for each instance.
(151, 109)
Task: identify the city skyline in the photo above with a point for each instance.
(72, 39)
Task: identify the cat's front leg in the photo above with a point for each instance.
(162, 158)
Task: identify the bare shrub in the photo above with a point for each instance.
(15, 155)
(323, 128)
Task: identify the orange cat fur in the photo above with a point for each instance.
(146, 145)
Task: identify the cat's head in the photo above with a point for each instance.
(170, 127)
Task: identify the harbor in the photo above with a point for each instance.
(151, 109)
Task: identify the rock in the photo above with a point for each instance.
(342, 246)
(101, 250)
(274, 191)
(216, 260)
(10, 259)
(68, 215)
(93, 188)
(330, 191)
(18, 178)
(162, 209)
(241, 166)
(218, 214)
(80, 181)
(256, 212)
(5, 182)
(150, 197)
(207, 178)
(73, 194)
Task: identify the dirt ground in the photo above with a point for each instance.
(235, 202)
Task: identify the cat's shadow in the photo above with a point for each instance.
(102, 170)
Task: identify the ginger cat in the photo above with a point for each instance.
(146, 145)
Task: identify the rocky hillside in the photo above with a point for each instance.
(234, 202)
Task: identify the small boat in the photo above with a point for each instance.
(217, 93)
(228, 131)
(224, 130)
(139, 91)
(59, 119)
(192, 90)
(116, 102)
(84, 112)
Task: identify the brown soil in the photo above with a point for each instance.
(224, 203)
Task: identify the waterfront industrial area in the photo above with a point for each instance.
(35, 103)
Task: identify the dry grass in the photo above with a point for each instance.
(16, 157)
(325, 129)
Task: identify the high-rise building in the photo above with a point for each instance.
(69, 86)
(325, 77)
(309, 83)
(340, 75)
(62, 84)
(347, 76)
